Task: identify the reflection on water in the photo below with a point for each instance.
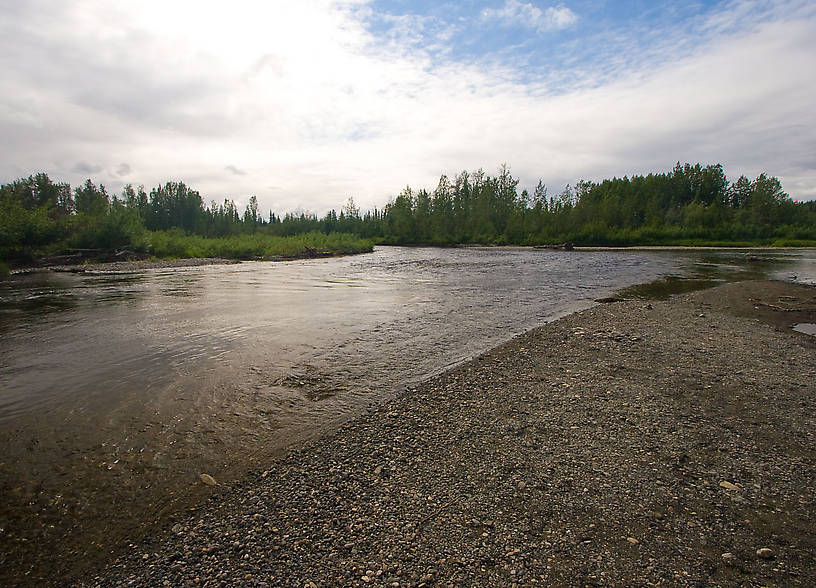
(702, 269)
(116, 391)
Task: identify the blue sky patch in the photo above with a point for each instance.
(560, 44)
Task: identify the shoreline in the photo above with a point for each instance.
(137, 265)
(116, 267)
(633, 442)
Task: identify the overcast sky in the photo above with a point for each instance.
(305, 103)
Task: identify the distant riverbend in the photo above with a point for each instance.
(117, 391)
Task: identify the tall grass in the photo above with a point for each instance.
(176, 244)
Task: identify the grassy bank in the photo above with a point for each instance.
(175, 243)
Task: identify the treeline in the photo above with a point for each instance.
(691, 205)
(40, 217)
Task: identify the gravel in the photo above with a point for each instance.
(112, 267)
(634, 443)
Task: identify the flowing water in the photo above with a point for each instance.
(118, 390)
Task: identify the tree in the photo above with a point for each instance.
(251, 217)
(90, 200)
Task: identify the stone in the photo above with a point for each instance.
(632, 540)
(765, 553)
(728, 485)
(208, 479)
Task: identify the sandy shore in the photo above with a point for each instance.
(634, 443)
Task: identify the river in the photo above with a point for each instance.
(118, 390)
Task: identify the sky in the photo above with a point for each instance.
(307, 103)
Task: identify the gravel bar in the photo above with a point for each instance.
(112, 267)
(633, 444)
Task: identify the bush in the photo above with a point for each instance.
(121, 228)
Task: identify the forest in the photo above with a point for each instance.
(690, 205)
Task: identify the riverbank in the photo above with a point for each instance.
(665, 442)
(137, 265)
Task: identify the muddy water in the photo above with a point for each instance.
(118, 391)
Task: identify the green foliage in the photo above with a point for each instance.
(691, 205)
(120, 229)
(25, 231)
(174, 205)
(91, 200)
(34, 214)
(38, 217)
(175, 243)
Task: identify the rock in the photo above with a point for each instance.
(729, 557)
(728, 485)
(632, 540)
(765, 553)
(208, 479)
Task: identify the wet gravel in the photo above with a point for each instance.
(138, 265)
(634, 443)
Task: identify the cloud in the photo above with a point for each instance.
(123, 170)
(234, 170)
(82, 167)
(315, 103)
(528, 15)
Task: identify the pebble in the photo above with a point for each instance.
(765, 553)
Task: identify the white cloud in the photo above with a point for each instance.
(527, 14)
(312, 108)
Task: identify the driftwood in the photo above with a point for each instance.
(78, 256)
(559, 247)
(311, 252)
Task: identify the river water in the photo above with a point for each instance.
(118, 390)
